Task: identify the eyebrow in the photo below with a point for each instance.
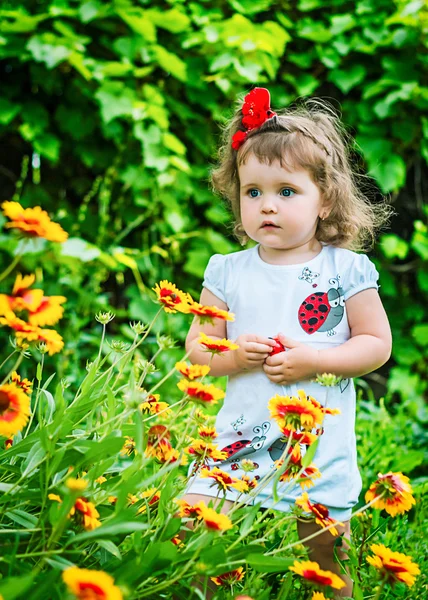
(283, 183)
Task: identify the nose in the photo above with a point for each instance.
(268, 204)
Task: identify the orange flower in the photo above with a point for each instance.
(292, 413)
(207, 314)
(395, 491)
(153, 406)
(187, 510)
(302, 437)
(33, 222)
(200, 392)
(192, 371)
(172, 298)
(25, 384)
(88, 512)
(393, 565)
(212, 519)
(14, 409)
(203, 451)
(159, 446)
(229, 578)
(223, 479)
(207, 433)
(294, 467)
(152, 497)
(128, 447)
(249, 483)
(87, 584)
(324, 409)
(311, 572)
(319, 511)
(31, 333)
(216, 346)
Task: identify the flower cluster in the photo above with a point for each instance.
(32, 222)
(393, 491)
(211, 518)
(319, 512)
(27, 310)
(312, 573)
(255, 110)
(83, 510)
(393, 566)
(159, 445)
(14, 405)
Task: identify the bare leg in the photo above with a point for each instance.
(321, 550)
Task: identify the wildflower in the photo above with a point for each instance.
(177, 541)
(25, 384)
(152, 497)
(328, 379)
(33, 222)
(55, 498)
(187, 510)
(250, 484)
(101, 479)
(395, 491)
(8, 443)
(42, 310)
(203, 451)
(192, 371)
(216, 346)
(294, 468)
(31, 333)
(311, 572)
(247, 465)
(104, 317)
(89, 513)
(305, 438)
(223, 479)
(88, 584)
(324, 409)
(201, 392)
(14, 409)
(229, 578)
(292, 413)
(207, 314)
(76, 485)
(318, 596)
(393, 566)
(212, 519)
(128, 447)
(319, 511)
(153, 406)
(172, 298)
(208, 434)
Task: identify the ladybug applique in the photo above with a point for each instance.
(323, 311)
(244, 447)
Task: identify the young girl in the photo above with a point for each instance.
(291, 190)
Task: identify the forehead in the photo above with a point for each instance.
(254, 169)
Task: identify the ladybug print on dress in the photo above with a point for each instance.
(323, 311)
(244, 447)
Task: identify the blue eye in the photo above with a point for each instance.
(253, 193)
(287, 195)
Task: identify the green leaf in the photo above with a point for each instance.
(310, 453)
(17, 21)
(47, 145)
(78, 248)
(110, 529)
(13, 587)
(419, 241)
(23, 518)
(171, 63)
(390, 173)
(393, 246)
(269, 564)
(115, 99)
(137, 20)
(347, 79)
(420, 334)
(341, 23)
(173, 20)
(49, 49)
(314, 31)
(8, 111)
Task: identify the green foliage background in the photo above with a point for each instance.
(110, 114)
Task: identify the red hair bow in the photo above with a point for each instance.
(256, 110)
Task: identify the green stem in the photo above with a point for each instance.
(39, 379)
(12, 265)
(14, 368)
(7, 358)
(380, 590)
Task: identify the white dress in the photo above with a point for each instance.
(306, 302)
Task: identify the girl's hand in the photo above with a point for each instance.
(297, 363)
(253, 350)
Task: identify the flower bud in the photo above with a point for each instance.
(165, 342)
(328, 379)
(138, 327)
(104, 317)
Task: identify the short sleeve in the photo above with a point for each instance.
(362, 275)
(214, 276)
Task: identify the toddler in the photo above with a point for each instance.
(291, 189)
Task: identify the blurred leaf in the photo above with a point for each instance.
(420, 334)
(269, 564)
(393, 246)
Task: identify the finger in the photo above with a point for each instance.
(287, 341)
(260, 339)
(258, 347)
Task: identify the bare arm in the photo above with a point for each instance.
(252, 350)
(371, 341)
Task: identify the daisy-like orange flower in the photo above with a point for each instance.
(212, 519)
(201, 392)
(318, 596)
(293, 413)
(216, 346)
(229, 578)
(319, 511)
(188, 510)
(172, 298)
(203, 451)
(208, 434)
(302, 437)
(25, 384)
(159, 446)
(393, 565)
(395, 491)
(192, 371)
(249, 483)
(32, 333)
(177, 541)
(207, 314)
(87, 584)
(14, 409)
(88, 512)
(294, 467)
(33, 222)
(152, 497)
(223, 479)
(128, 447)
(312, 573)
(153, 406)
(325, 409)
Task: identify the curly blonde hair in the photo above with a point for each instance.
(308, 136)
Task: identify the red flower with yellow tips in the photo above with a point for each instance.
(319, 511)
(312, 572)
(207, 314)
(212, 519)
(33, 222)
(87, 584)
(14, 409)
(25, 384)
(223, 479)
(229, 578)
(192, 371)
(172, 298)
(31, 333)
(393, 566)
(395, 491)
(293, 413)
(216, 346)
(200, 392)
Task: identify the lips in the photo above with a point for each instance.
(269, 224)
